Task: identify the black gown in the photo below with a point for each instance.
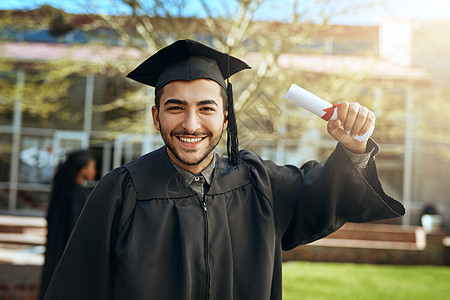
(60, 221)
(144, 234)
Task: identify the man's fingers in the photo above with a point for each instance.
(352, 116)
(342, 111)
(347, 113)
(334, 125)
(335, 130)
(356, 119)
(360, 121)
(370, 122)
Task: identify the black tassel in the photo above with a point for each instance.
(232, 136)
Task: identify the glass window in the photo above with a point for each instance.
(35, 165)
(5, 156)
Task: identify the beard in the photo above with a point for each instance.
(190, 157)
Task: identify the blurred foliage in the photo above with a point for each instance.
(150, 25)
(431, 113)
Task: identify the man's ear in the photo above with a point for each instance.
(225, 120)
(155, 114)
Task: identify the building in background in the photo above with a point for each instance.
(396, 68)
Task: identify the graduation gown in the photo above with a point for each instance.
(60, 221)
(144, 234)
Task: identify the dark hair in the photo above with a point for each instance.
(429, 209)
(158, 96)
(66, 174)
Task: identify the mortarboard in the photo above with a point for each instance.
(188, 60)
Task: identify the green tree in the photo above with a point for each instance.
(234, 27)
(242, 28)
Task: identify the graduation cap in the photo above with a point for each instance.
(188, 60)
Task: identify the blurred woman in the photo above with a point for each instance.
(68, 196)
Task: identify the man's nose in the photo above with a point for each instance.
(191, 122)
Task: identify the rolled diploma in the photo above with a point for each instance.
(317, 105)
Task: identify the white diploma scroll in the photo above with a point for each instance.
(318, 106)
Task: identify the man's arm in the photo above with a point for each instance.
(332, 193)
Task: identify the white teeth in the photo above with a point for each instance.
(190, 140)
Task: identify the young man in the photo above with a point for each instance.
(184, 223)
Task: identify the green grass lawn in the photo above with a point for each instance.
(305, 280)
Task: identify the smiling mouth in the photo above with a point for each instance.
(190, 140)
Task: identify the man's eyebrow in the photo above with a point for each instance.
(183, 102)
(207, 102)
(175, 101)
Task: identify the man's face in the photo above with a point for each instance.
(191, 120)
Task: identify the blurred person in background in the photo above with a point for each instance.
(71, 187)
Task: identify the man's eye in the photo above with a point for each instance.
(208, 109)
(174, 108)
